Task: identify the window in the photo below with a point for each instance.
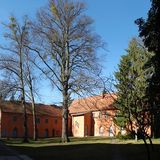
(37, 120)
(53, 133)
(46, 133)
(57, 133)
(111, 131)
(15, 132)
(46, 120)
(95, 114)
(55, 121)
(14, 118)
(4, 133)
(101, 130)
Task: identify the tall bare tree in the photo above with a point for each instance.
(66, 45)
(30, 78)
(12, 61)
(18, 69)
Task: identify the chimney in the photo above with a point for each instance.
(103, 93)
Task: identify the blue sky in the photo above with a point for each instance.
(113, 20)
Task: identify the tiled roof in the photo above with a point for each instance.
(41, 109)
(92, 103)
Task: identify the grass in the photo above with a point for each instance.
(56, 141)
(87, 148)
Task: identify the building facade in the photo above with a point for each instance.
(49, 120)
(94, 116)
(91, 116)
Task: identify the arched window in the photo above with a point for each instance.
(56, 121)
(14, 118)
(4, 133)
(37, 133)
(15, 132)
(111, 134)
(53, 132)
(46, 133)
(46, 120)
(101, 130)
(38, 120)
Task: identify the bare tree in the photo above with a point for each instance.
(7, 89)
(30, 78)
(66, 45)
(12, 61)
(18, 69)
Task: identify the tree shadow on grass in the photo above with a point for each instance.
(96, 151)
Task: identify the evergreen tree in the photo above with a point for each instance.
(132, 84)
(149, 30)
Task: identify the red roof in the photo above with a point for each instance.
(41, 109)
(92, 103)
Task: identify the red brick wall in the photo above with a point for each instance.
(54, 126)
(8, 124)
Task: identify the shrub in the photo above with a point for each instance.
(130, 135)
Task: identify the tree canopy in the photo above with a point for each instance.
(149, 31)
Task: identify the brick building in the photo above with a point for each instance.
(49, 120)
(93, 116)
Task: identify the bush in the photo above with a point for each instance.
(130, 135)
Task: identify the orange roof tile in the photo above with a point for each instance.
(41, 109)
(92, 103)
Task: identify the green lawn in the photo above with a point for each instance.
(90, 148)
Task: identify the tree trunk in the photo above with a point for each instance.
(136, 136)
(147, 148)
(152, 126)
(35, 136)
(152, 118)
(30, 84)
(25, 122)
(0, 118)
(23, 97)
(150, 141)
(65, 118)
(65, 126)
